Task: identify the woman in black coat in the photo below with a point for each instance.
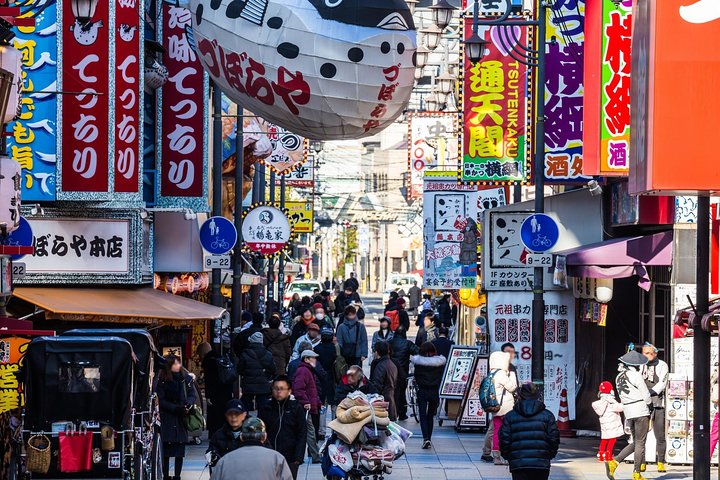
(429, 369)
(176, 394)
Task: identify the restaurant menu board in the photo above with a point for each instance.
(458, 371)
(472, 415)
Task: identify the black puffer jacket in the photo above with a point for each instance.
(174, 395)
(400, 350)
(529, 437)
(286, 428)
(257, 368)
(223, 442)
(428, 373)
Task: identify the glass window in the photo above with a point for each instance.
(79, 378)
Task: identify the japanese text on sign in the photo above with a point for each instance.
(495, 132)
(12, 351)
(433, 145)
(33, 142)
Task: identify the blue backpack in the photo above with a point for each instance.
(488, 395)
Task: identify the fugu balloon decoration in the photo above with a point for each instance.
(324, 69)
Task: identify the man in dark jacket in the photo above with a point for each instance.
(228, 437)
(400, 351)
(327, 353)
(278, 343)
(257, 368)
(352, 283)
(344, 299)
(443, 343)
(529, 437)
(353, 381)
(444, 311)
(242, 339)
(285, 423)
(383, 374)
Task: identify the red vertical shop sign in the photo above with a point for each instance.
(182, 109)
(128, 95)
(85, 116)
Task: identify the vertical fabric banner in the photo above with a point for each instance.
(432, 144)
(183, 100)
(85, 124)
(33, 140)
(128, 95)
(564, 92)
(495, 132)
(510, 314)
(450, 232)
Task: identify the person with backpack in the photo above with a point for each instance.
(257, 368)
(401, 349)
(383, 333)
(352, 338)
(328, 353)
(529, 437)
(496, 396)
(611, 427)
(636, 401)
(403, 319)
(383, 374)
(508, 348)
(429, 369)
(278, 343)
(218, 387)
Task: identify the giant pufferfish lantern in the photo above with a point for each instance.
(324, 69)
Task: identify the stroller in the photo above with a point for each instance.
(98, 382)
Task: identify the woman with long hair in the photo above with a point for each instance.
(429, 368)
(176, 394)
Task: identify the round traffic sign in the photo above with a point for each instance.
(539, 232)
(218, 235)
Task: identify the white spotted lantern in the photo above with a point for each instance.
(324, 69)
(10, 180)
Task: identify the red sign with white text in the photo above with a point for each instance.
(128, 97)
(182, 109)
(85, 115)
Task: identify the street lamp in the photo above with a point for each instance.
(431, 103)
(83, 10)
(445, 83)
(317, 146)
(442, 13)
(421, 56)
(475, 45)
(432, 36)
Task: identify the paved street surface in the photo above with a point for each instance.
(457, 456)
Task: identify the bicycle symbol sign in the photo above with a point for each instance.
(539, 232)
(218, 235)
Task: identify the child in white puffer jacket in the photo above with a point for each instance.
(611, 426)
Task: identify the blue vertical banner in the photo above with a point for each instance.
(33, 140)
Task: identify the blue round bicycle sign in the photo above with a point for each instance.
(539, 232)
(218, 235)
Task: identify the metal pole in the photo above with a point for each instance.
(281, 264)
(538, 303)
(701, 347)
(271, 262)
(217, 298)
(258, 181)
(237, 252)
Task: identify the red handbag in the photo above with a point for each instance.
(75, 451)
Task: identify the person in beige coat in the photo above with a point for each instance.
(505, 386)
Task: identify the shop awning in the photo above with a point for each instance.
(620, 257)
(142, 305)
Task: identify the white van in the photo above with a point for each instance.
(400, 281)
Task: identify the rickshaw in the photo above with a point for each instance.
(95, 381)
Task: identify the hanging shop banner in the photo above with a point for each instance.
(432, 144)
(458, 370)
(472, 415)
(301, 216)
(510, 315)
(12, 351)
(79, 246)
(450, 232)
(288, 149)
(673, 97)
(128, 96)
(302, 176)
(33, 140)
(606, 111)
(495, 117)
(85, 117)
(183, 168)
(564, 93)
(266, 230)
(507, 269)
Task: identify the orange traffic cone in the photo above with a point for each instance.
(563, 420)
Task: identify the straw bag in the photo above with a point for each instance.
(38, 454)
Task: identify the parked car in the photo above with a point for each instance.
(301, 287)
(400, 281)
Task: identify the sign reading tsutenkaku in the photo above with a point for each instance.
(432, 144)
(450, 232)
(564, 92)
(510, 315)
(495, 132)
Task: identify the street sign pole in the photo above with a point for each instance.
(281, 261)
(237, 252)
(216, 297)
(271, 265)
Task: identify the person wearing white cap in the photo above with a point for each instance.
(636, 400)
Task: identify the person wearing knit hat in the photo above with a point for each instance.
(636, 401)
(321, 318)
(257, 369)
(312, 336)
(608, 410)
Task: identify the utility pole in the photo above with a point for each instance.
(237, 252)
(217, 298)
(701, 346)
(271, 262)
